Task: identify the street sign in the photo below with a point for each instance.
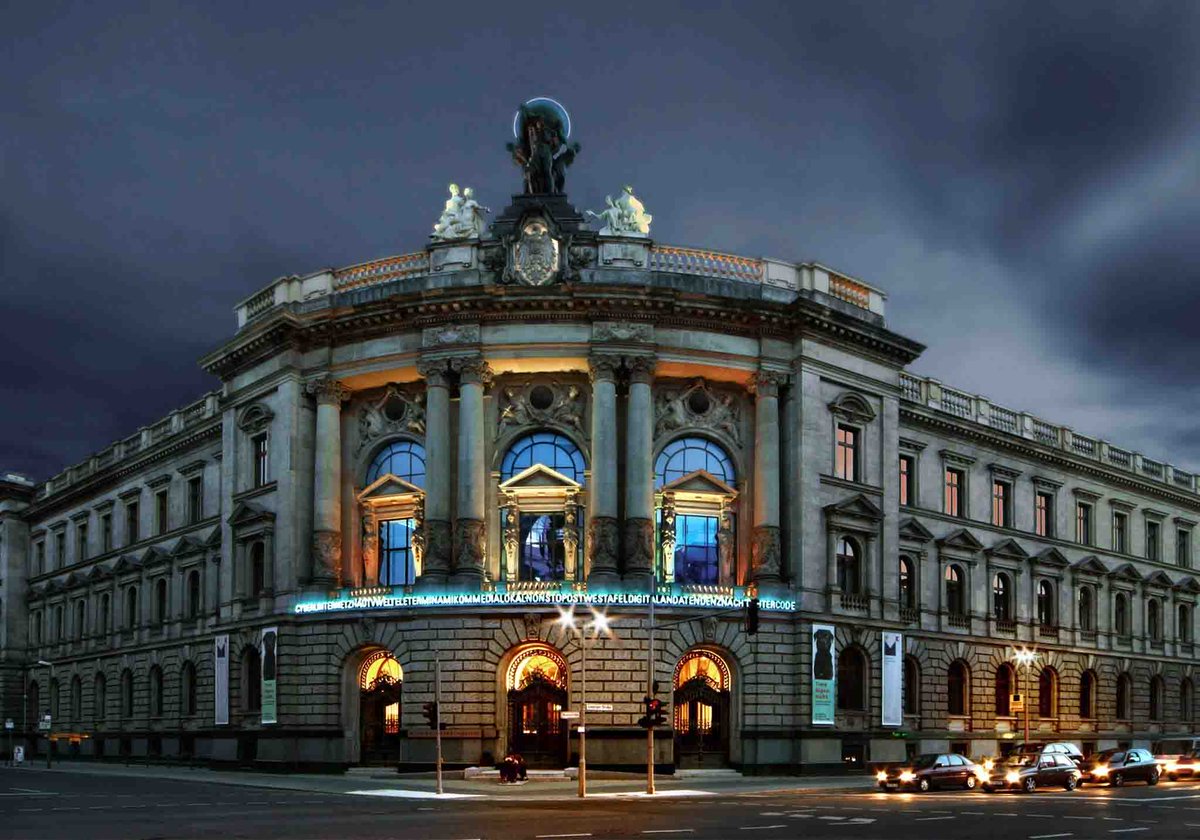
(569, 715)
(1016, 703)
(8, 724)
(44, 724)
(599, 707)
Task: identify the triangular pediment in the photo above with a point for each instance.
(1125, 571)
(699, 481)
(1090, 565)
(1188, 584)
(53, 586)
(912, 530)
(185, 546)
(126, 563)
(1159, 578)
(858, 506)
(246, 512)
(388, 486)
(154, 555)
(1051, 557)
(98, 573)
(961, 539)
(75, 579)
(213, 540)
(1008, 547)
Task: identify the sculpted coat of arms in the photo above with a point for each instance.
(535, 255)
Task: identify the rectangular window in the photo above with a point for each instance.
(954, 490)
(1001, 495)
(60, 549)
(1183, 548)
(396, 560)
(1043, 521)
(1083, 523)
(195, 500)
(1152, 541)
(39, 558)
(106, 543)
(261, 460)
(1120, 533)
(162, 509)
(907, 474)
(81, 540)
(847, 453)
(131, 523)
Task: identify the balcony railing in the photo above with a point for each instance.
(910, 615)
(958, 620)
(858, 603)
(1006, 625)
(380, 271)
(706, 263)
(1047, 631)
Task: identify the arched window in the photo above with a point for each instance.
(1185, 624)
(251, 681)
(126, 694)
(1186, 709)
(852, 680)
(80, 619)
(156, 692)
(684, 456)
(60, 626)
(1045, 603)
(404, 459)
(558, 452)
(956, 604)
(848, 576)
(1124, 697)
(193, 593)
(912, 686)
(1048, 693)
(161, 608)
(131, 608)
(1087, 609)
(258, 569)
(1087, 695)
(958, 683)
(908, 599)
(1004, 689)
(105, 618)
(1121, 614)
(76, 699)
(1154, 620)
(187, 690)
(1001, 597)
(100, 698)
(1156, 697)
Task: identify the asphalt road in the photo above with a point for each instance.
(77, 805)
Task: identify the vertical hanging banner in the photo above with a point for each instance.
(893, 679)
(221, 680)
(267, 652)
(823, 675)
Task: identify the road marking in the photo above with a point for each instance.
(761, 827)
(1048, 836)
(31, 790)
(1079, 818)
(771, 814)
(1124, 830)
(547, 836)
(668, 831)
(931, 819)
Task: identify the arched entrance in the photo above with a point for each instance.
(380, 682)
(537, 695)
(702, 710)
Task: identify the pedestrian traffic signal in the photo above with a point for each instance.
(645, 720)
(656, 713)
(751, 616)
(431, 714)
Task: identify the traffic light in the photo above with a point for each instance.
(644, 720)
(751, 616)
(431, 714)
(656, 713)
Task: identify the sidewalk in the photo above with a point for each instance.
(422, 786)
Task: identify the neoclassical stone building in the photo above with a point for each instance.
(430, 456)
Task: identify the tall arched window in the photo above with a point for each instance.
(1004, 689)
(1001, 597)
(958, 683)
(126, 694)
(156, 692)
(105, 619)
(404, 459)
(956, 602)
(131, 607)
(1048, 693)
(161, 610)
(187, 690)
(1184, 620)
(80, 619)
(908, 599)
(848, 565)
(1087, 695)
(257, 583)
(1121, 614)
(852, 680)
(1186, 708)
(100, 698)
(76, 699)
(698, 531)
(1157, 690)
(1154, 620)
(684, 456)
(1087, 609)
(1045, 603)
(550, 449)
(251, 681)
(193, 593)
(1124, 697)
(912, 686)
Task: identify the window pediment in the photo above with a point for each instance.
(389, 488)
(857, 507)
(99, 572)
(255, 418)
(699, 481)
(913, 531)
(153, 556)
(961, 540)
(126, 563)
(1188, 584)
(1051, 557)
(185, 546)
(1008, 548)
(539, 477)
(853, 407)
(1090, 565)
(1159, 578)
(1125, 571)
(247, 513)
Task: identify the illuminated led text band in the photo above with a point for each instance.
(393, 601)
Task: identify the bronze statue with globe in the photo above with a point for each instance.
(541, 128)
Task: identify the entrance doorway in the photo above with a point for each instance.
(702, 710)
(380, 682)
(537, 695)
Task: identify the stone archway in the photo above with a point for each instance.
(536, 693)
(702, 709)
(372, 703)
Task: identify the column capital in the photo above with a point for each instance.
(328, 391)
(603, 367)
(472, 370)
(766, 383)
(640, 368)
(435, 372)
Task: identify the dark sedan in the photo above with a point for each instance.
(934, 770)
(1116, 767)
(1029, 772)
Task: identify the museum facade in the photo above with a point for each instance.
(433, 457)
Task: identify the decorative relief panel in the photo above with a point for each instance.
(449, 335)
(532, 403)
(622, 331)
(698, 406)
(395, 411)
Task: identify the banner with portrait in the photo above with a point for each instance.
(270, 635)
(893, 678)
(221, 680)
(824, 674)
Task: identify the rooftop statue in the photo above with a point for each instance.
(624, 217)
(462, 217)
(542, 127)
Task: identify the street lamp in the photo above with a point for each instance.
(596, 625)
(1026, 657)
(50, 730)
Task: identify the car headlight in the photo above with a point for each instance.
(907, 776)
(1100, 770)
(1012, 777)
(1172, 767)
(989, 764)
(983, 775)
(881, 776)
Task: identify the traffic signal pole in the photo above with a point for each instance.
(650, 693)
(437, 722)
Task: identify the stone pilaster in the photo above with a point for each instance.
(327, 480)
(765, 540)
(470, 533)
(603, 537)
(435, 568)
(639, 469)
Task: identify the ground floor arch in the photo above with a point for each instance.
(703, 709)
(373, 703)
(536, 690)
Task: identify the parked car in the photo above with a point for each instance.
(1175, 767)
(1116, 767)
(933, 770)
(1066, 748)
(1029, 771)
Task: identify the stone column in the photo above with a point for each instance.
(639, 469)
(602, 531)
(765, 555)
(435, 567)
(327, 481)
(470, 534)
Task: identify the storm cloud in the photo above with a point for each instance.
(1021, 178)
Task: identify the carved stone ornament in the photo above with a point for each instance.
(624, 331)
(328, 391)
(396, 411)
(535, 255)
(327, 555)
(370, 547)
(462, 217)
(639, 545)
(437, 548)
(450, 335)
(603, 536)
(765, 553)
(579, 257)
(698, 406)
(708, 626)
(470, 538)
(534, 403)
(533, 626)
(624, 217)
(472, 370)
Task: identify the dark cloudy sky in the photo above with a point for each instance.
(1021, 178)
